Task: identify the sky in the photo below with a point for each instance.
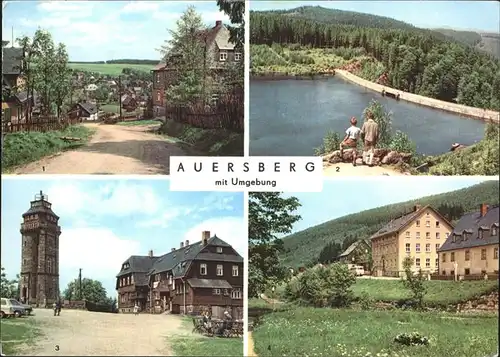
(104, 30)
(340, 198)
(475, 15)
(103, 222)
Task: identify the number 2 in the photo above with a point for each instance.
(337, 169)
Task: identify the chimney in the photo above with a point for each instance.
(182, 244)
(483, 209)
(416, 208)
(218, 23)
(187, 242)
(172, 250)
(150, 253)
(205, 235)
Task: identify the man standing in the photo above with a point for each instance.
(371, 135)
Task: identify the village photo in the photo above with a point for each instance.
(153, 80)
(377, 88)
(357, 271)
(121, 267)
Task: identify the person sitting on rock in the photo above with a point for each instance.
(351, 140)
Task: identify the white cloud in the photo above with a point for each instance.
(140, 6)
(230, 229)
(113, 199)
(97, 251)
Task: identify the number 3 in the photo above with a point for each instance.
(57, 347)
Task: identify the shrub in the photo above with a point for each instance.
(411, 339)
(414, 282)
(331, 142)
(322, 286)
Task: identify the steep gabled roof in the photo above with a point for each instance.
(352, 247)
(88, 107)
(471, 223)
(401, 222)
(139, 265)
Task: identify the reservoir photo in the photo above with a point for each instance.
(291, 117)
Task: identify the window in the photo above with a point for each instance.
(438, 235)
(480, 234)
(467, 255)
(437, 247)
(417, 262)
(418, 223)
(203, 269)
(24, 261)
(216, 291)
(158, 96)
(494, 231)
(437, 224)
(437, 263)
(495, 253)
(483, 254)
(25, 241)
(49, 266)
(219, 249)
(417, 248)
(452, 272)
(132, 279)
(427, 235)
(465, 235)
(220, 270)
(452, 257)
(417, 235)
(467, 271)
(408, 234)
(454, 239)
(157, 78)
(226, 292)
(237, 56)
(443, 272)
(408, 248)
(235, 270)
(428, 247)
(236, 294)
(222, 56)
(427, 223)
(427, 262)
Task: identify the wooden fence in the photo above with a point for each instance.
(40, 124)
(227, 113)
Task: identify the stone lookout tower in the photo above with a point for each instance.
(39, 283)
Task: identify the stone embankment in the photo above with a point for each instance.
(380, 157)
(477, 113)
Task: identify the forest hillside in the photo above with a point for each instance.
(304, 247)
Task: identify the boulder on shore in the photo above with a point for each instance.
(380, 157)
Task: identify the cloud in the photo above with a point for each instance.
(97, 251)
(140, 6)
(112, 198)
(230, 229)
(165, 218)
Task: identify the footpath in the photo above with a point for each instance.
(477, 113)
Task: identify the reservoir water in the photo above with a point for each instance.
(291, 117)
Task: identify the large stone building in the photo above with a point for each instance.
(39, 278)
(418, 234)
(472, 248)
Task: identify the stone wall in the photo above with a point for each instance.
(486, 115)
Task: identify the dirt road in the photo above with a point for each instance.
(114, 149)
(346, 169)
(84, 333)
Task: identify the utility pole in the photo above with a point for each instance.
(120, 95)
(80, 285)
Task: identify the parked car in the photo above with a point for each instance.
(11, 307)
(27, 307)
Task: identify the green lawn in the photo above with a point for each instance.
(110, 108)
(199, 345)
(109, 69)
(439, 292)
(350, 333)
(139, 122)
(17, 332)
(24, 147)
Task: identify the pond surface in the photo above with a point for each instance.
(291, 117)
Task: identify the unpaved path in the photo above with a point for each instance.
(346, 169)
(251, 350)
(84, 333)
(114, 149)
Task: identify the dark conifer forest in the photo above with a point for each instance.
(419, 61)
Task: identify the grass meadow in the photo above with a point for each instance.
(113, 69)
(17, 332)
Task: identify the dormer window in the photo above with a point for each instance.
(222, 56)
(494, 230)
(203, 269)
(465, 235)
(219, 249)
(454, 238)
(480, 233)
